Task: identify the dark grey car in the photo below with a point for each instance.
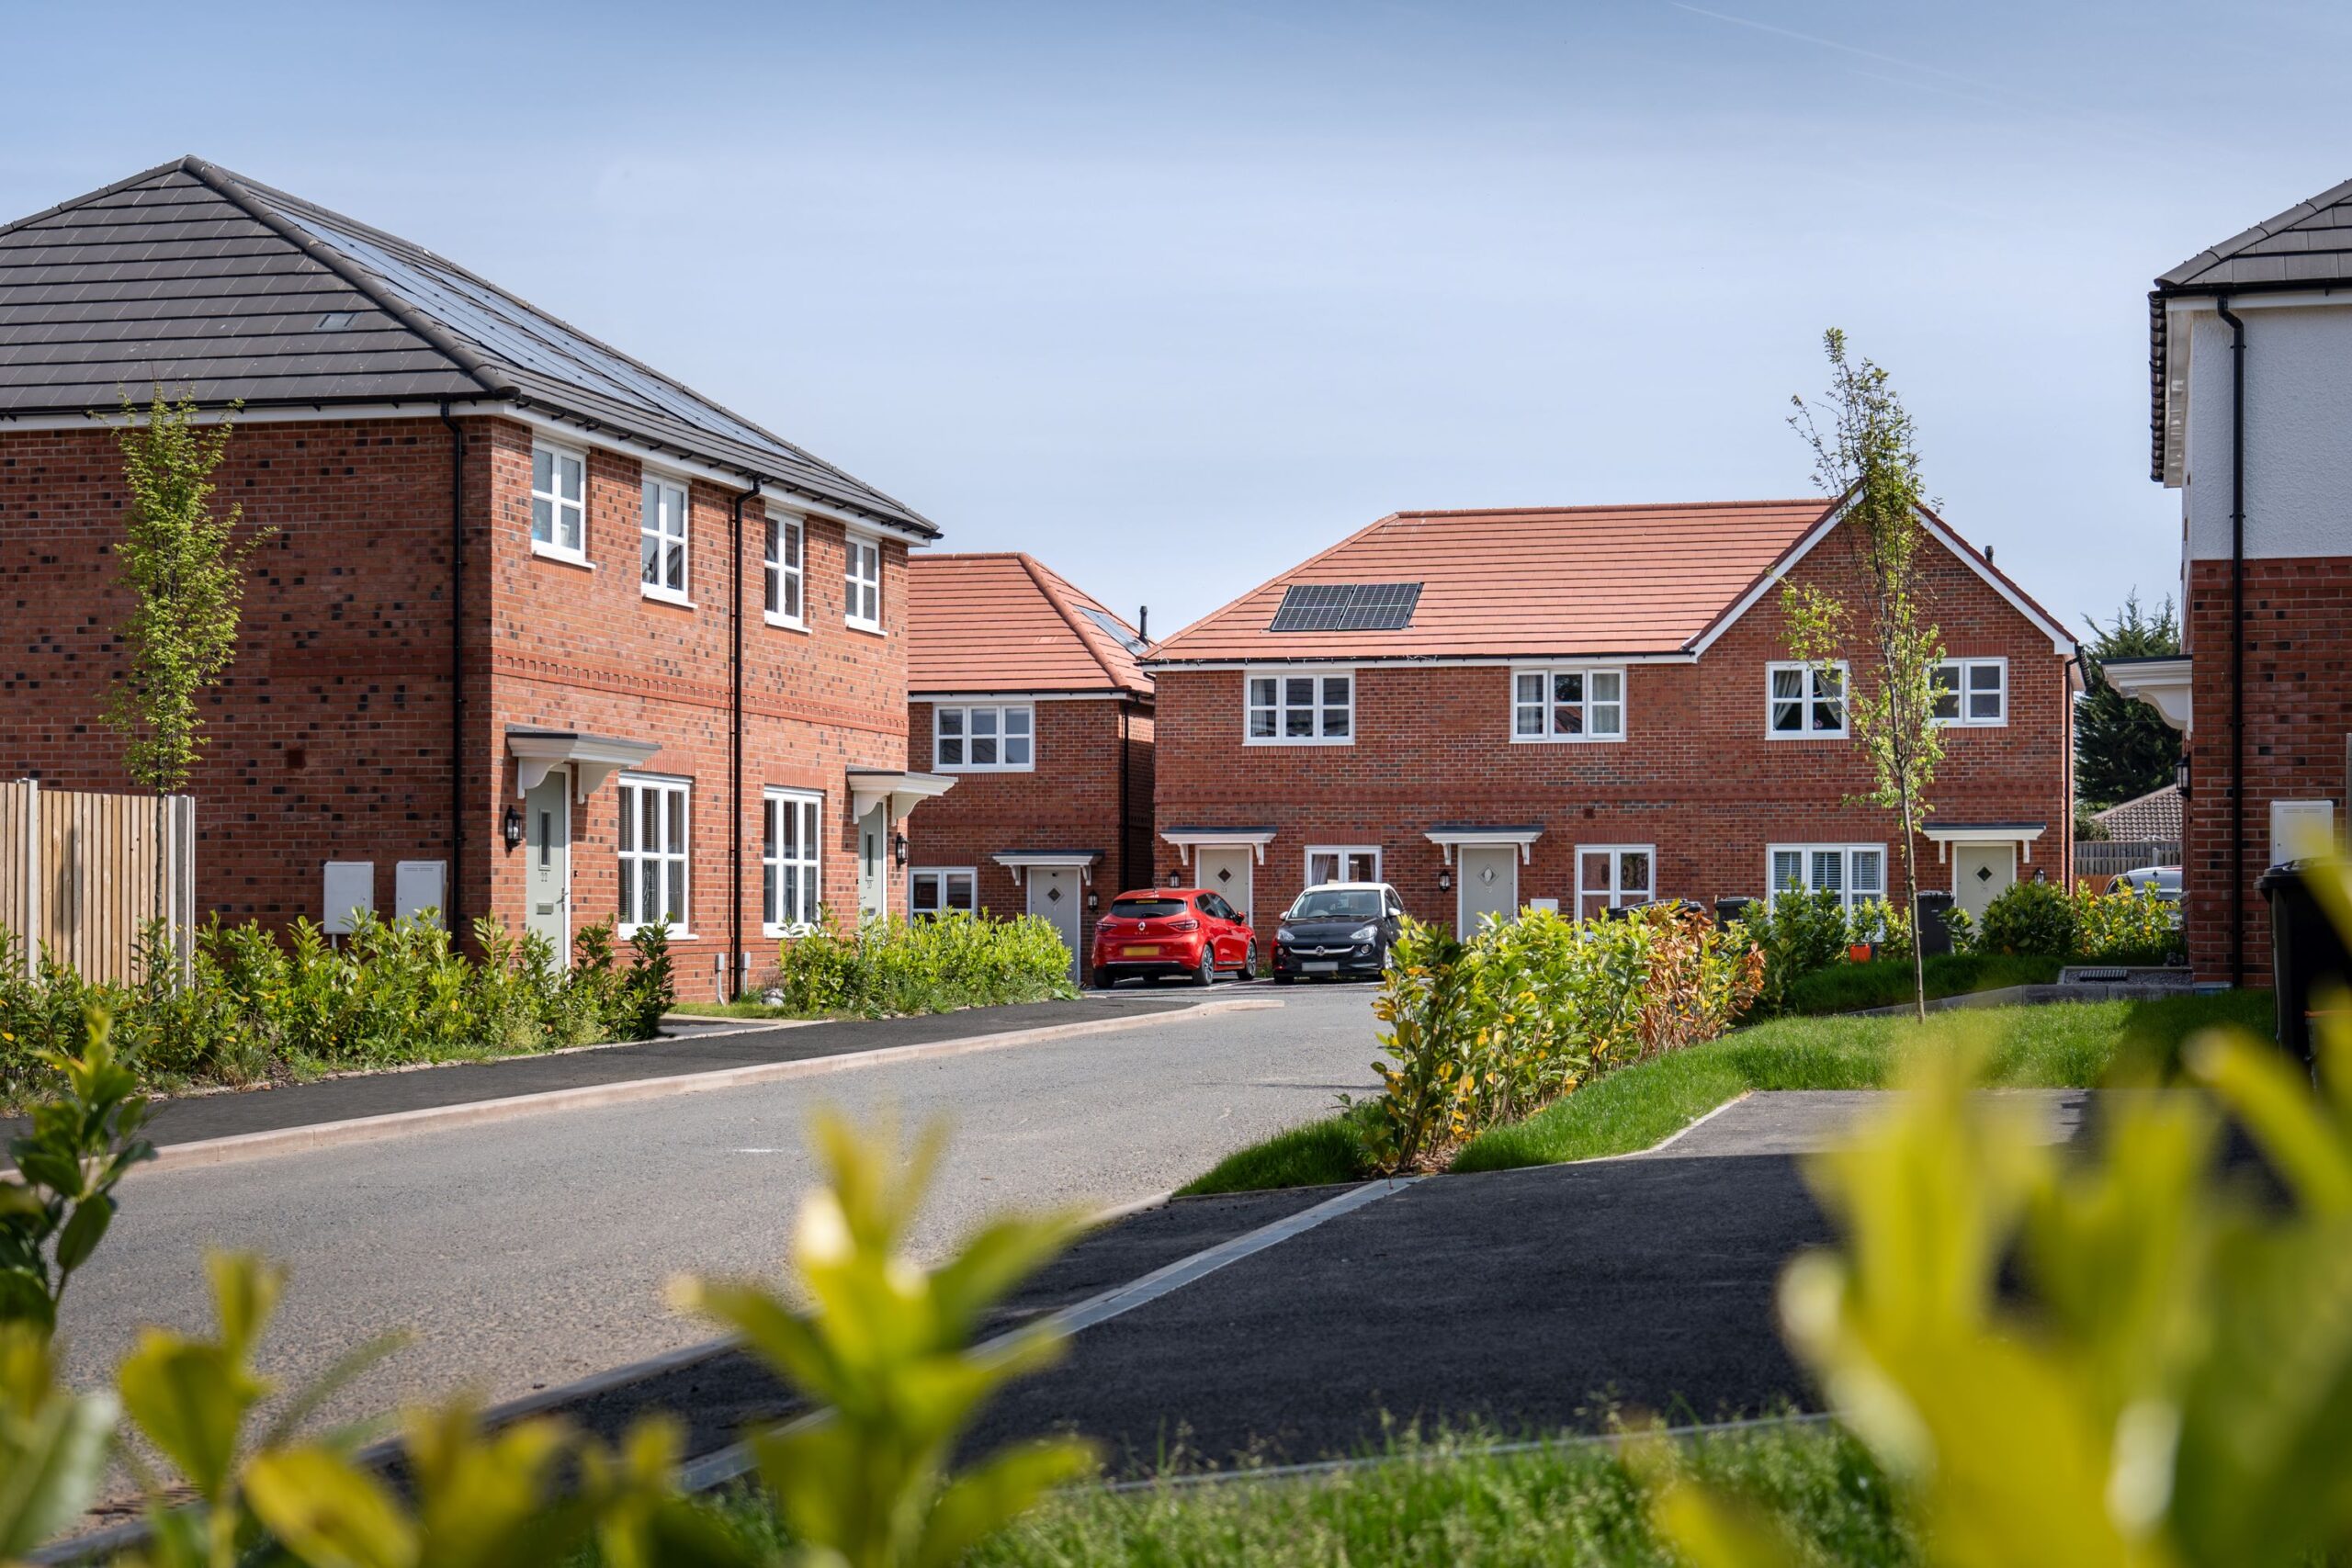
(1337, 930)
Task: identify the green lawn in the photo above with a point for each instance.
(1884, 982)
(2068, 1044)
(1442, 1502)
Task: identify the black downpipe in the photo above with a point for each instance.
(452, 916)
(1126, 829)
(734, 986)
(2237, 639)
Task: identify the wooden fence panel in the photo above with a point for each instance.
(2101, 859)
(83, 874)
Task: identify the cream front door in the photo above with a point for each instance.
(1980, 872)
(1056, 897)
(1226, 871)
(874, 864)
(546, 876)
(1489, 884)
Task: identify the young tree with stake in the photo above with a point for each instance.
(1867, 455)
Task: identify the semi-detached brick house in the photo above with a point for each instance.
(1027, 693)
(1589, 706)
(2251, 361)
(539, 632)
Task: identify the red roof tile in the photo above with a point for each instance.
(1579, 579)
(1004, 622)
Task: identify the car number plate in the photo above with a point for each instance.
(1149, 950)
(1320, 968)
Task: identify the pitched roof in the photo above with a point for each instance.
(191, 276)
(1005, 622)
(2155, 814)
(1532, 580)
(2307, 246)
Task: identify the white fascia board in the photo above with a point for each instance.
(1042, 695)
(1773, 578)
(1465, 661)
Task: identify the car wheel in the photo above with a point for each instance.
(1249, 963)
(1281, 978)
(1206, 974)
(1103, 979)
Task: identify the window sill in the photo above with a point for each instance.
(984, 767)
(623, 933)
(868, 627)
(783, 623)
(1972, 724)
(1297, 741)
(547, 552)
(676, 601)
(1809, 735)
(1568, 739)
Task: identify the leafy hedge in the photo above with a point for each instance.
(2043, 919)
(889, 967)
(1489, 1030)
(256, 1007)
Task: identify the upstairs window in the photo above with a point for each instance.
(1806, 700)
(862, 602)
(1856, 873)
(1568, 704)
(783, 568)
(652, 843)
(661, 540)
(1972, 692)
(983, 739)
(558, 502)
(1610, 877)
(1300, 708)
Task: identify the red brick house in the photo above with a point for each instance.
(1589, 706)
(540, 632)
(2251, 362)
(1028, 692)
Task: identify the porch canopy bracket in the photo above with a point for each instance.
(1019, 862)
(592, 758)
(1192, 839)
(1453, 836)
(870, 787)
(1943, 835)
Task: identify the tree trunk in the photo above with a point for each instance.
(1911, 895)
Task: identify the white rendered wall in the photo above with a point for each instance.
(2298, 432)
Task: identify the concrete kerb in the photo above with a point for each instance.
(481, 1112)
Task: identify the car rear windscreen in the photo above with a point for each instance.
(1356, 904)
(1145, 908)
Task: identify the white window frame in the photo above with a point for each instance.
(1001, 715)
(1616, 895)
(1549, 707)
(810, 805)
(1812, 698)
(1807, 864)
(678, 808)
(862, 590)
(553, 544)
(1318, 706)
(1962, 669)
(939, 874)
(654, 529)
(783, 567)
(1341, 853)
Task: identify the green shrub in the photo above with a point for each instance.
(1489, 1030)
(2030, 920)
(2133, 926)
(886, 969)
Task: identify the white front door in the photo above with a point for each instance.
(1980, 872)
(1226, 871)
(1489, 884)
(1055, 897)
(546, 876)
(874, 864)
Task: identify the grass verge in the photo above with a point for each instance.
(1885, 982)
(2063, 1046)
(1436, 1503)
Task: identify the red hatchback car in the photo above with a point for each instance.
(1171, 931)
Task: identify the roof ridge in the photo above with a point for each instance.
(399, 242)
(1088, 637)
(177, 165)
(231, 186)
(2137, 799)
(1597, 506)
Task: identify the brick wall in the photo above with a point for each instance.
(1070, 800)
(2298, 713)
(331, 738)
(1696, 777)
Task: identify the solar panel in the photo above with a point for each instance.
(1113, 629)
(1347, 607)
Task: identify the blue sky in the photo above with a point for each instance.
(1173, 296)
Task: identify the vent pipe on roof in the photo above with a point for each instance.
(1143, 623)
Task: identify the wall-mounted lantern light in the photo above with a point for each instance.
(2180, 774)
(1176, 879)
(1445, 882)
(899, 848)
(512, 828)
(1094, 901)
